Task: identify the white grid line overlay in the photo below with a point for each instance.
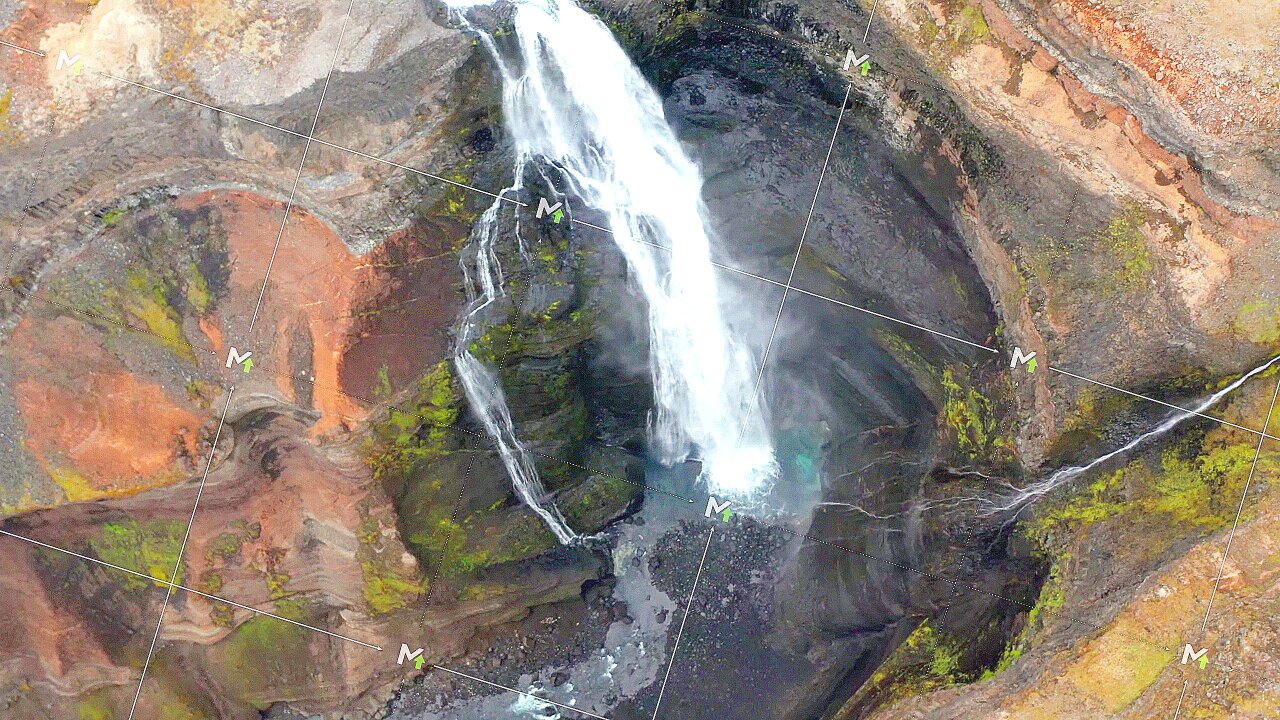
(787, 287)
(315, 122)
(177, 567)
(688, 606)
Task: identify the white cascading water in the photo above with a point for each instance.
(1025, 496)
(483, 387)
(573, 98)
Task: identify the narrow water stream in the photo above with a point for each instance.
(1020, 498)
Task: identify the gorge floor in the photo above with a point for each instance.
(700, 638)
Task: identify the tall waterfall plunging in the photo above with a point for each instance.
(573, 99)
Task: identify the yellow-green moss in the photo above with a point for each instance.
(1198, 493)
(497, 343)
(112, 217)
(518, 539)
(222, 615)
(970, 26)
(262, 659)
(1094, 407)
(199, 296)
(9, 135)
(1201, 491)
(483, 591)
(151, 548)
(969, 416)
(179, 711)
(199, 391)
(928, 660)
(965, 26)
(1259, 321)
(1124, 240)
(149, 302)
(74, 483)
(602, 496)
(277, 584)
(1052, 598)
(384, 391)
(454, 204)
(96, 706)
(404, 439)
(224, 546)
(1099, 501)
(1128, 675)
(210, 582)
(385, 590)
(227, 545)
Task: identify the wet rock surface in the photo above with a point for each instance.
(352, 489)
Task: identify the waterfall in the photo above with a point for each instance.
(483, 387)
(573, 99)
(1023, 497)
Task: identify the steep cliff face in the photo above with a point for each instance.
(1112, 207)
(1114, 184)
(1107, 182)
(1200, 80)
(347, 485)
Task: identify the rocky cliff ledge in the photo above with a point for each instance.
(1100, 186)
(1116, 189)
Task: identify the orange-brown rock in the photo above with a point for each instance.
(96, 428)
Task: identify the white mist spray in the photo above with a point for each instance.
(573, 98)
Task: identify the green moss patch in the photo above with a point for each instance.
(600, 498)
(968, 415)
(148, 301)
(112, 217)
(965, 26)
(1259, 321)
(1181, 493)
(158, 267)
(388, 586)
(9, 135)
(1127, 244)
(263, 660)
(386, 590)
(421, 433)
(484, 543)
(150, 547)
(1052, 598)
(929, 659)
(96, 706)
(1123, 678)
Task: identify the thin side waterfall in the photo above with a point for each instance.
(1023, 497)
(484, 286)
(573, 99)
